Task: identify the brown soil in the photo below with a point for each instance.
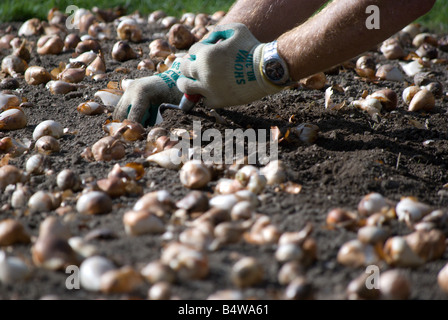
(352, 157)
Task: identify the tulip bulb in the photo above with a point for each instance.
(389, 72)
(62, 87)
(5, 41)
(423, 100)
(188, 19)
(91, 270)
(88, 45)
(299, 289)
(12, 269)
(392, 49)
(130, 130)
(409, 93)
(314, 82)
(436, 88)
(30, 27)
(109, 97)
(97, 66)
(128, 29)
(442, 278)
(340, 218)
(142, 222)
(387, 97)
(156, 271)
(67, 179)
(372, 203)
(94, 202)
(91, 108)
(146, 64)
(23, 52)
(48, 128)
(168, 22)
(13, 119)
(394, 285)
(47, 145)
(188, 262)
(399, 254)
(424, 37)
(180, 37)
(159, 202)
(98, 30)
(14, 66)
(356, 254)
(122, 51)
(411, 210)
(247, 272)
(195, 175)
(365, 67)
(156, 16)
(8, 101)
(307, 133)
(108, 149)
(199, 32)
(13, 147)
(371, 106)
(159, 48)
(71, 41)
(12, 232)
(428, 245)
(123, 280)
(10, 174)
(372, 235)
(86, 57)
(35, 75)
(427, 51)
(43, 201)
(114, 186)
(72, 75)
(169, 159)
(50, 45)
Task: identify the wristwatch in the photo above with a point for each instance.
(274, 67)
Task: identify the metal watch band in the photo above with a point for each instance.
(274, 67)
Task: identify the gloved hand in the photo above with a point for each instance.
(140, 102)
(226, 68)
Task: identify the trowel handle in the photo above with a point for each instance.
(188, 101)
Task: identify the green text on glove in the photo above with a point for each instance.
(171, 75)
(244, 67)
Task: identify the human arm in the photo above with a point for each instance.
(332, 36)
(339, 33)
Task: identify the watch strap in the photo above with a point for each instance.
(274, 67)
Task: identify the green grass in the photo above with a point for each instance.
(21, 10)
(437, 18)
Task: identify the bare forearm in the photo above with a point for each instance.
(268, 19)
(339, 33)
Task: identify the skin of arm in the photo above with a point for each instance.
(268, 19)
(339, 33)
(311, 44)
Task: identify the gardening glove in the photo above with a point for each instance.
(226, 68)
(140, 102)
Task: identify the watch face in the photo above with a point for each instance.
(274, 70)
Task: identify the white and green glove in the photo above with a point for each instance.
(141, 101)
(226, 68)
